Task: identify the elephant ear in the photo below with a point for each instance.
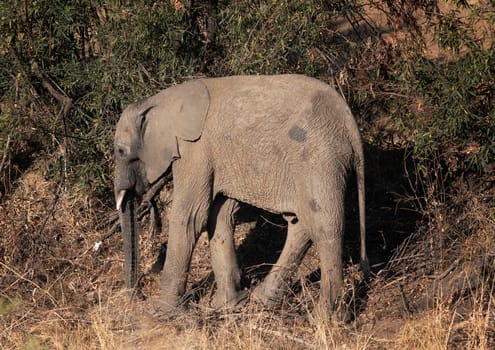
(177, 112)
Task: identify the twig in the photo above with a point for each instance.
(393, 282)
(389, 93)
(54, 204)
(5, 152)
(66, 103)
(272, 223)
(53, 300)
(405, 304)
(64, 100)
(401, 258)
(157, 186)
(446, 272)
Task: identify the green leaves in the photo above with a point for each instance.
(275, 36)
(457, 118)
(8, 305)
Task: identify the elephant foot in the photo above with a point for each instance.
(322, 313)
(164, 311)
(267, 296)
(234, 301)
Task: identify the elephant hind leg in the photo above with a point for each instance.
(327, 235)
(275, 284)
(224, 261)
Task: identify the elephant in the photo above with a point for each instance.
(282, 143)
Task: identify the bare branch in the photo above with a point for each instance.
(64, 100)
(5, 152)
(34, 284)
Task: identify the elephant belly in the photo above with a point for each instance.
(263, 173)
(263, 186)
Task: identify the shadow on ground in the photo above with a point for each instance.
(391, 218)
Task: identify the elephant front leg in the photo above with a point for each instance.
(187, 220)
(223, 259)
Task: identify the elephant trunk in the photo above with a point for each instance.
(126, 205)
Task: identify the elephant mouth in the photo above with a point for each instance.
(130, 181)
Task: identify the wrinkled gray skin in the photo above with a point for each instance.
(282, 143)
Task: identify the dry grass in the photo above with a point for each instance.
(57, 293)
(446, 327)
(120, 325)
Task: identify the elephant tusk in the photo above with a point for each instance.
(120, 199)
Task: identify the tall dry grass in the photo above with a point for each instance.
(117, 323)
(57, 293)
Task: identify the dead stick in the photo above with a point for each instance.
(36, 285)
(64, 100)
(5, 152)
(66, 103)
(405, 304)
(446, 272)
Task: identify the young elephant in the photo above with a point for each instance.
(283, 143)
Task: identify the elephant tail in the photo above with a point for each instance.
(359, 166)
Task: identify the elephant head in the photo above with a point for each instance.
(146, 144)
